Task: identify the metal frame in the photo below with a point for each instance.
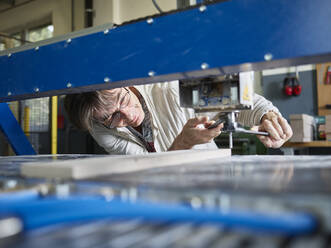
(12, 130)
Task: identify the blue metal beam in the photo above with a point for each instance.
(225, 37)
(13, 132)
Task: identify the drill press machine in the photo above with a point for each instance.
(226, 95)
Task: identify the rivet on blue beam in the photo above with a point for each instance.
(150, 20)
(268, 57)
(151, 73)
(204, 66)
(202, 8)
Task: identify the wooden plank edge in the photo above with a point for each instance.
(93, 167)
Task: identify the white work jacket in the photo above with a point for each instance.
(167, 120)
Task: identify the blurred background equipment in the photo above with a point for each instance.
(237, 201)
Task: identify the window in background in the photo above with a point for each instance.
(185, 3)
(35, 122)
(40, 33)
(6, 42)
(17, 43)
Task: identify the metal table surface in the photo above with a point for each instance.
(298, 174)
(268, 184)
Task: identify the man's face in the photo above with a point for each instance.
(125, 109)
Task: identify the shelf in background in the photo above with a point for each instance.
(316, 143)
(323, 90)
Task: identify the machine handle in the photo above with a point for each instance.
(242, 130)
(219, 121)
(238, 129)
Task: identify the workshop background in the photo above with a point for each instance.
(26, 21)
(191, 198)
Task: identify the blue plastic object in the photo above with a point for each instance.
(14, 133)
(37, 213)
(15, 197)
(230, 34)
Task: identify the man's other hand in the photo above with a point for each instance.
(278, 128)
(195, 132)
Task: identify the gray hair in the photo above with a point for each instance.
(82, 107)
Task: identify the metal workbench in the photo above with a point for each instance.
(257, 201)
(262, 185)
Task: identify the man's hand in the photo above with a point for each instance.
(278, 128)
(195, 132)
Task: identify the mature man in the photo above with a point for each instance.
(148, 118)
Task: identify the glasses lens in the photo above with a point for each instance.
(116, 116)
(126, 99)
(115, 120)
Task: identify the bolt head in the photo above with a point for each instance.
(106, 31)
(204, 66)
(68, 40)
(9, 55)
(36, 48)
(9, 93)
(69, 85)
(62, 190)
(11, 184)
(268, 57)
(36, 89)
(196, 202)
(151, 73)
(43, 189)
(202, 8)
(150, 20)
(106, 79)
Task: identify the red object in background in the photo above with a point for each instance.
(60, 121)
(328, 75)
(296, 87)
(288, 87)
(322, 135)
(292, 86)
(297, 90)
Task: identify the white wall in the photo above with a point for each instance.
(39, 12)
(133, 9)
(103, 12)
(119, 11)
(79, 15)
(58, 12)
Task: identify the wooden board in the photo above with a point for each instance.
(100, 166)
(323, 90)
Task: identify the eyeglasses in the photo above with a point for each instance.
(111, 121)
